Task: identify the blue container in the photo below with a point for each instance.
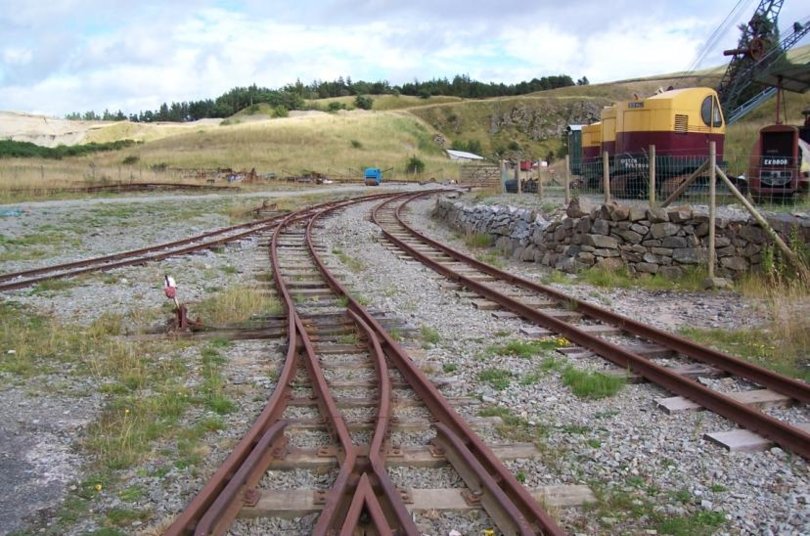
(372, 176)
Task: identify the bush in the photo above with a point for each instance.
(335, 106)
(131, 159)
(414, 165)
(364, 102)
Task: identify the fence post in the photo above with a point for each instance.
(503, 175)
(517, 178)
(712, 205)
(567, 180)
(652, 176)
(540, 180)
(606, 175)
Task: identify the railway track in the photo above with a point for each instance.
(192, 244)
(667, 360)
(351, 401)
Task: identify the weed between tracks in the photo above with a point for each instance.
(236, 304)
(352, 263)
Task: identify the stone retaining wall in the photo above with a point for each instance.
(644, 240)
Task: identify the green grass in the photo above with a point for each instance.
(354, 264)
(634, 505)
(691, 280)
(528, 349)
(549, 363)
(234, 304)
(53, 285)
(493, 259)
(479, 240)
(763, 347)
(429, 335)
(449, 367)
(592, 385)
(513, 427)
(498, 378)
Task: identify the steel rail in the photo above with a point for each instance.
(791, 387)
(11, 281)
(188, 520)
(334, 508)
(508, 518)
(260, 225)
(225, 507)
(787, 436)
(443, 412)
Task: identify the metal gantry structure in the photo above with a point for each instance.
(758, 49)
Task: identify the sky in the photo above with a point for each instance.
(64, 56)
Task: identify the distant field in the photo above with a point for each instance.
(341, 143)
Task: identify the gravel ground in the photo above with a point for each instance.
(622, 446)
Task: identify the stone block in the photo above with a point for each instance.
(662, 252)
(606, 252)
(650, 258)
(600, 227)
(647, 267)
(637, 213)
(671, 272)
(657, 215)
(578, 207)
(528, 254)
(601, 241)
(610, 263)
(722, 241)
(679, 214)
(651, 243)
(618, 212)
(727, 251)
(640, 229)
(583, 225)
(660, 230)
(629, 236)
(586, 257)
(688, 255)
(674, 242)
(737, 264)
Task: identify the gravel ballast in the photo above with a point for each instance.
(621, 446)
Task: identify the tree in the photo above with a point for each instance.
(363, 102)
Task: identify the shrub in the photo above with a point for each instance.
(364, 102)
(414, 165)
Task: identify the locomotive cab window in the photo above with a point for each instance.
(710, 112)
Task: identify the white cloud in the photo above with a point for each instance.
(74, 55)
(17, 56)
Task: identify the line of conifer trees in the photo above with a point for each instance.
(294, 96)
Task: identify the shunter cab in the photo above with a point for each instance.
(775, 165)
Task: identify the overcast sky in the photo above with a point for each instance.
(62, 56)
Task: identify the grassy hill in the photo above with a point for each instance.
(397, 128)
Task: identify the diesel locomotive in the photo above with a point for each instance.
(680, 123)
(777, 167)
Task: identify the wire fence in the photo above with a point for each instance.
(681, 178)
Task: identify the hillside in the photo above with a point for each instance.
(398, 127)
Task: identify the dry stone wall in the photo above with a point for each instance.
(645, 240)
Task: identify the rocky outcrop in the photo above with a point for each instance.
(651, 241)
(543, 121)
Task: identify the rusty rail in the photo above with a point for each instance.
(488, 466)
(787, 436)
